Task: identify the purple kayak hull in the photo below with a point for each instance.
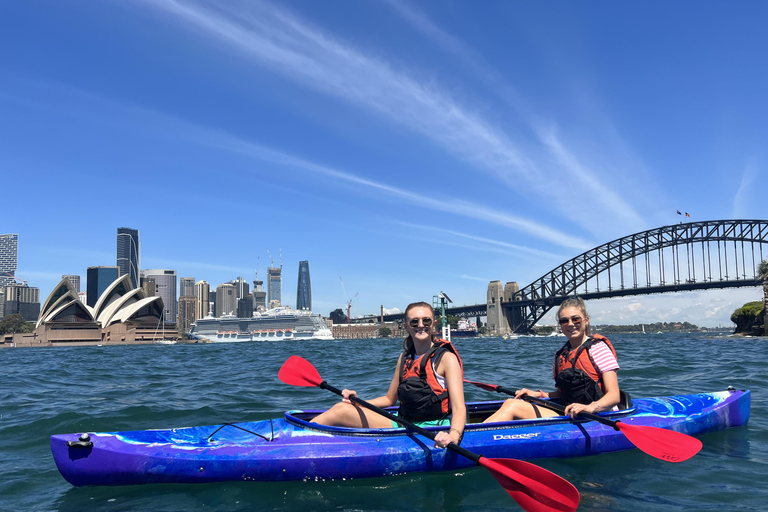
(290, 448)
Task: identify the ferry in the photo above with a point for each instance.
(280, 323)
(464, 329)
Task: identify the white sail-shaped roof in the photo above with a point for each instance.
(114, 291)
(107, 313)
(64, 291)
(85, 311)
(154, 304)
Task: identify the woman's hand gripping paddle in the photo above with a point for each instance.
(534, 488)
(657, 442)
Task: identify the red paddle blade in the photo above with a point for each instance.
(482, 385)
(297, 371)
(533, 487)
(663, 444)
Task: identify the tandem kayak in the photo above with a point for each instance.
(292, 448)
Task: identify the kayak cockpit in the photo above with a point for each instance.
(477, 412)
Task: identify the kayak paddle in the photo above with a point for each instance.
(658, 442)
(534, 488)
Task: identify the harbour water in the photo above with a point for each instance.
(62, 390)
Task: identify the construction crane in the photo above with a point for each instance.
(349, 302)
(8, 274)
(271, 261)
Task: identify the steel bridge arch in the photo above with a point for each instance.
(531, 303)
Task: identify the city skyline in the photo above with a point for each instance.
(407, 148)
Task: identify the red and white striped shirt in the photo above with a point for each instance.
(604, 358)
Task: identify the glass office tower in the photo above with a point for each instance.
(128, 253)
(98, 279)
(274, 286)
(304, 288)
(9, 247)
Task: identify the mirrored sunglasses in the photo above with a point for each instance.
(414, 322)
(574, 319)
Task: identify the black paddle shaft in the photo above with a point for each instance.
(556, 407)
(397, 419)
(559, 408)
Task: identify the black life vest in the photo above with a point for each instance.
(576, 375)
(421, 396)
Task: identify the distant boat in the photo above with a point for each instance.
(643, 326)
(280, 323)
(464, 329)
(162, 340)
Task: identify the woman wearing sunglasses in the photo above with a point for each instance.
(584, 370)
(428, 382)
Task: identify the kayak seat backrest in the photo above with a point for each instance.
(625, 401)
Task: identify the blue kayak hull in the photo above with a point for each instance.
(291, 448)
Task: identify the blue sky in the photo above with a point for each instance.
(406, 147)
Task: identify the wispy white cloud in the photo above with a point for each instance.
(566, 158)
(445, 204)
(162, 125)
(274, 38)
(609, 199)
(475, 278)
(747, 184)
(192, 266)
(497, 243)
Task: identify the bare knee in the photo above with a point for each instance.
(504, 413)
(341, 415)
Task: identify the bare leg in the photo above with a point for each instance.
(514, 409)
(344, 414)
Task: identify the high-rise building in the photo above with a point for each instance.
(148, 285)
(202, 293)
(75, 280)
(241, 287)
(274, 286)
(259, 295)
(9, 248)
(22, 300)
(165, 287)
(226, 300)
(97, 280)
(304, 288)
(128, 253)
(245, 307)
(187, 308)
(212, 302)
(186, 287)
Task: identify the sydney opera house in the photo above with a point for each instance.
(122, 315)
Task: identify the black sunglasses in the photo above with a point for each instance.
(574, 319)
(414, 322)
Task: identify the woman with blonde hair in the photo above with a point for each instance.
(428, 382)
(584, 371)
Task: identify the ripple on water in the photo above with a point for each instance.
(125, 388)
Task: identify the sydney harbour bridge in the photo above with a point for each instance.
(680, 257)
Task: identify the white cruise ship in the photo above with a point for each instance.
(281, 323)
